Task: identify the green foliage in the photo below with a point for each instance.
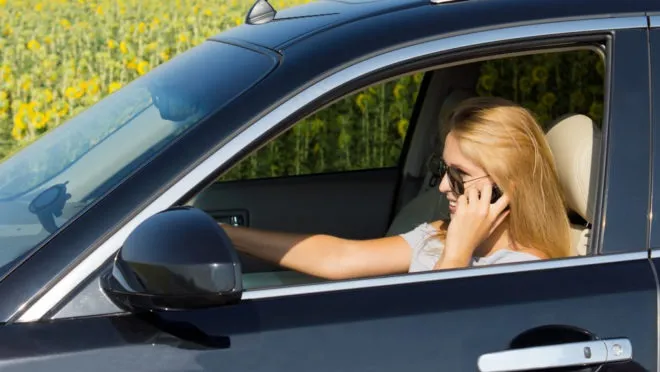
(550, 85)
(366, 130)
(58, 57)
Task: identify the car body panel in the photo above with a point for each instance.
(413, 19)
(298, 22)
(625, 220)
(445, 324)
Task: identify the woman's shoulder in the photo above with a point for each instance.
(424, 245)
(421, 231)
(424, 230)
(422, 235)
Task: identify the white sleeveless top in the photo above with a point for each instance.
(426, 251)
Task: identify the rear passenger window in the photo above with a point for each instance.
(549, 84)
(562, 89)
(364, 130)
(559, 87)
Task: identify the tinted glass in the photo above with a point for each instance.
(364, 130)
(58, 176)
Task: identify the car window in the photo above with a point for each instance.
(557, 87)
(52, 180)
(549, 84)
(553, 86)
(364, 130)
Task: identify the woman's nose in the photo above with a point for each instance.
(444, 184)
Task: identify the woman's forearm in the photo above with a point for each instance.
(318, 255)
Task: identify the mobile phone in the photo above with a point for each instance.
(497, 193)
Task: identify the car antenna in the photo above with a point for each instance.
(261, 12)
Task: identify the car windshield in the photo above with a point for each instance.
(52, 180)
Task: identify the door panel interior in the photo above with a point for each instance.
(354, 205)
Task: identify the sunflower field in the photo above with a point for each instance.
(58, 57)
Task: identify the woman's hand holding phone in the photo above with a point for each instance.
(474, 220)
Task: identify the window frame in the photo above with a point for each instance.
(654, 44)
(378, 68)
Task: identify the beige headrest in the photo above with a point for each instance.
(451, 102)
(575, 143)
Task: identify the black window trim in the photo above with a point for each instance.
(654, 252)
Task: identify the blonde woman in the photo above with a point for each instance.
(505, 206)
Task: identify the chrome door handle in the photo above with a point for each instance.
(560, 355)
(238, 217)
(236, 220)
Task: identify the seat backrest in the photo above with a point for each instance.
(575, 142)
(429, 204)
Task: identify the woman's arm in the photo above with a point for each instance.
(324, 255)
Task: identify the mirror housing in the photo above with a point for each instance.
(178, 259)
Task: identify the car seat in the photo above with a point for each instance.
(575, 142)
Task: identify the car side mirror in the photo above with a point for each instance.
(177, 259)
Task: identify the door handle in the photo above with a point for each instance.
(236, 220)
(560, 355)
(231, 217)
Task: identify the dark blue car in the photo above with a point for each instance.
(111, 258)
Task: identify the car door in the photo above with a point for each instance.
(585, 310)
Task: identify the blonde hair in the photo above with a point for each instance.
(506, 141)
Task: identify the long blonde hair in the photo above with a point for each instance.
(506, 141)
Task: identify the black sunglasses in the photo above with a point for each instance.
(438, 168)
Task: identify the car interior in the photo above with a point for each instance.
(392, 200)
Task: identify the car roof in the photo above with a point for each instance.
(295, 24)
